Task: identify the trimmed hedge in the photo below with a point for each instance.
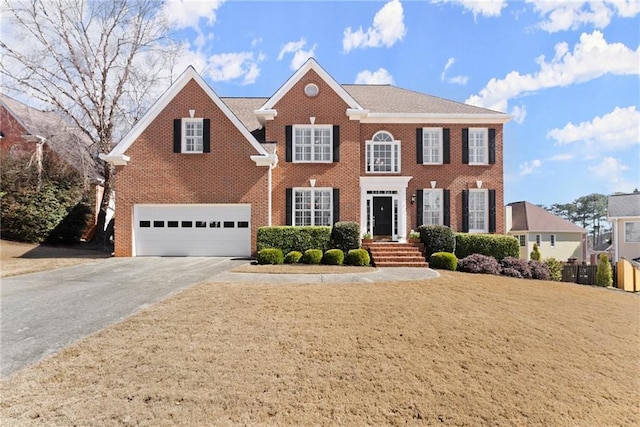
(333, 257)
(270, 256)
(311, 256)
(292, 257)
(345, 235)
(358, 257)
(437, 238)
(443, 261)
(478, 263)
(494, 245)
(289, 238)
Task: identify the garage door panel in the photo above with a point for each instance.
(193, 230)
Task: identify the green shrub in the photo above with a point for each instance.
(443, 261)
(270, 256)
(289, 238)
(535, 253)
(555, 268)
(292, 257)
(358, 257)
(345, 235)
(494, 245)
(604, 275)
(478, 263)
(311, 256)
(437, 238)
(70, 230)
(333, 257)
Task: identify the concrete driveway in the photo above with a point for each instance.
(41, 313)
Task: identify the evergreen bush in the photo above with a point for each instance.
(289, 238)
(292, 257)
(478, 263)
(311, 256)
(358, 257)
(494, 245)
(555, 267)
(535, 253)
(443, 261)
(345, 235)
(270, 256)
(604, 274)
(437, 238)
(333, 257)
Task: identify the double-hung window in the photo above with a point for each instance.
(192, 136)
(432, 204)
(383, 154)
(478, 211)
(312, 143)
(312, 206)
(478, 146)
(432, 146)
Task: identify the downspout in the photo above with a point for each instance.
(615, 239)
(269, 195)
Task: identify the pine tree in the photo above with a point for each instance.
(604, 275)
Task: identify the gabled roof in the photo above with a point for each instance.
(117, 155)
(68, 142)
(244, 109)
(527, 217)
(623, 205)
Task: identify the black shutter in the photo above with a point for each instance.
(336, 205)
(465, 211)
(446, 146)
(465, 146)
(492, 211)
(419, 147)
(336, 143)
(419, 207)
(206, 135)
(446, 210)
(177, 135)
(288, 150)
(492, 146)
(289, 206)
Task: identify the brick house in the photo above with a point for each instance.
(199, 174)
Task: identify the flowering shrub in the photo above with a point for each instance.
(511, 272)
(518, 264)
(539, 270)
(477, 263)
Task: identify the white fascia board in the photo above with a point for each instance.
(265, 160)
(357, 114)
(311, 64)
(189, 74)
(264, 115)
(115, 159)
(417, 118)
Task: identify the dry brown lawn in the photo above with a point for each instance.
(21, 258)
(456, 350)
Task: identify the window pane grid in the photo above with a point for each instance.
(312, 207)
(312, 144)
(432, 207)
(193, 135)
(383, 157)
(477, 147)
(477, 211)
(431, 146)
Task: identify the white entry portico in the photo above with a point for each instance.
(383, 206)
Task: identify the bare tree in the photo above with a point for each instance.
(99, 63)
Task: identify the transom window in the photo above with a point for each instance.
(478, 211)
(432, 206)
(312, 143)
(192, 132)
(478, 146)
(312, 206)
(432, 146)
(383, 154)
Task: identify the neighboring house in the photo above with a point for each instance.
(198, 175)
(556, 237)
(623, 211)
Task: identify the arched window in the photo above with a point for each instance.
(383, 154)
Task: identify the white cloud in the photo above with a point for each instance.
(187, 13)
(233, 66)
(387, 29)
(519, 112)
(612, 171)
(617, 129)
(461, 80)
(300, 55)
(528, 168)
(379, 77)
(561, 157)
(479, 7)
(592, 57)
(571, 15)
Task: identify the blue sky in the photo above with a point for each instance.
(567, 71)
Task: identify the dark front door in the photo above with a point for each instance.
(382, 215)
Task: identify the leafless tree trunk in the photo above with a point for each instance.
(100, 63)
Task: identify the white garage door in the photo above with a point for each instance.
(192, 230)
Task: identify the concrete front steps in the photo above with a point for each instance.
(392, 254)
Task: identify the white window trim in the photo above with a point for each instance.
(426, 131)
(183, 136)
(486, 210)
(313, 190)
(485, 132)
(393, 143)
(626, 240)
(426, 191)
(313, 128)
